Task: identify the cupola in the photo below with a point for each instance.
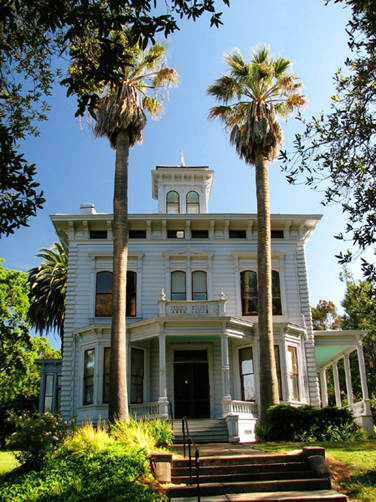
(182, 189)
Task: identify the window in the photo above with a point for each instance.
(106, 374)
(193, 203)
(293, 373)
(173, 202)
(199, 234)
(199, 290)
(137, 234)
(278, 368)
(178, 290)
(237, 234)
(276, 234)
(58, 392)
(247, 377)
(98, 234)
(137, 376)
(131, 294)
(48, 393)
(103, 299)
(249, 292)
(89, 376)
(175, 234)
(249, 295)
(276, 293)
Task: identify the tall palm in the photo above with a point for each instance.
(121, 117)
(252, 95)
(48, 284)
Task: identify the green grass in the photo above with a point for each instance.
(353, 465)
(7, 462)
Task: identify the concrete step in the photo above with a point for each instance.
(227, 478)
(286, 496)
(237, 460)
(248, 468)
(203, 430)
(247, 487)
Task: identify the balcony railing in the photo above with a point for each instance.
(192, 308)
(144, 410)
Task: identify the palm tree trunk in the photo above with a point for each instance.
(118, 400)
(268, 374)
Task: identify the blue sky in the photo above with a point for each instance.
(74, 167)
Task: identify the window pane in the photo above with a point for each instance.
(131, 294)
(193, 203)
(293, 373)
(89, 376)
(276, 293)
(172, 202)
(278, 368)
(106, 375)
(249, 292)
(178, 286)
(199, 285)
(48, 392)
(103, 300)
(137, 375)
(246, 374)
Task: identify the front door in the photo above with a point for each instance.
(191, 384)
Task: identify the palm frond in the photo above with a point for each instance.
(225, 89)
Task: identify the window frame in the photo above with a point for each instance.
(277, 356)
(178, 292)
(241, 375)
(194, 204)
(199, 292)
(242, 295)
(97, 312)
(86, 377)
(106, 373)
(174, 203)
(276, 295)
(132, 401)
(128, 293)
(293, 375)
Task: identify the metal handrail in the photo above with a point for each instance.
(184, 426)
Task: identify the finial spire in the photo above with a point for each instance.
(182, 163)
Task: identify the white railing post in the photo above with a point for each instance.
(163, 401)
(337, 389)
(349, 389)
(162, 304)
(324, 388)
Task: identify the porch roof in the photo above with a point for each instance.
(330, 346)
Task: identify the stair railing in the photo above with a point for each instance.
(184, 426)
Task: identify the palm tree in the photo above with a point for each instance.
(48, 284)
(252, 95)
(121, 117)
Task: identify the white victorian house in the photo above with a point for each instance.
(192, 326)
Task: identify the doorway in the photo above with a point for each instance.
(191, 384)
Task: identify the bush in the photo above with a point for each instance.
(36, 437)
(309, 424)
(115, 473)
(161, 431)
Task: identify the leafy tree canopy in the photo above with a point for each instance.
(339, 148)
(325, 316)
(33, 33)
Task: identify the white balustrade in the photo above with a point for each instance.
(144, 410)
(192, 308)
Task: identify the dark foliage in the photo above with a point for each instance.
(308, 423)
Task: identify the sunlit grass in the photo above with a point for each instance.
(8, 462)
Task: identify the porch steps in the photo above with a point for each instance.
(203, 430)
(251, 478)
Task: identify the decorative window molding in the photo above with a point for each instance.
(193, 202)
(172, 202)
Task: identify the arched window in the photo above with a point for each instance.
(199, 288)
(276, 293)
(173, 202)
(248, 280)
(103, 298)
(178, 290)
(193, 202)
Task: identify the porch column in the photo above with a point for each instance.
(226, 397)
(324, 388)
(363, 378)
(350, 397)
(163, 401)
(337, 388)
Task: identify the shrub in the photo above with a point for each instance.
(36, 437)
(86, 441)
(115, 473)
(161, 431)
(136, 433)
(309, 424)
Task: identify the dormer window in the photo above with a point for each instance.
(193, 203)
(173, 202)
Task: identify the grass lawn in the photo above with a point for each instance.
(7, 462)
(353, 466)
